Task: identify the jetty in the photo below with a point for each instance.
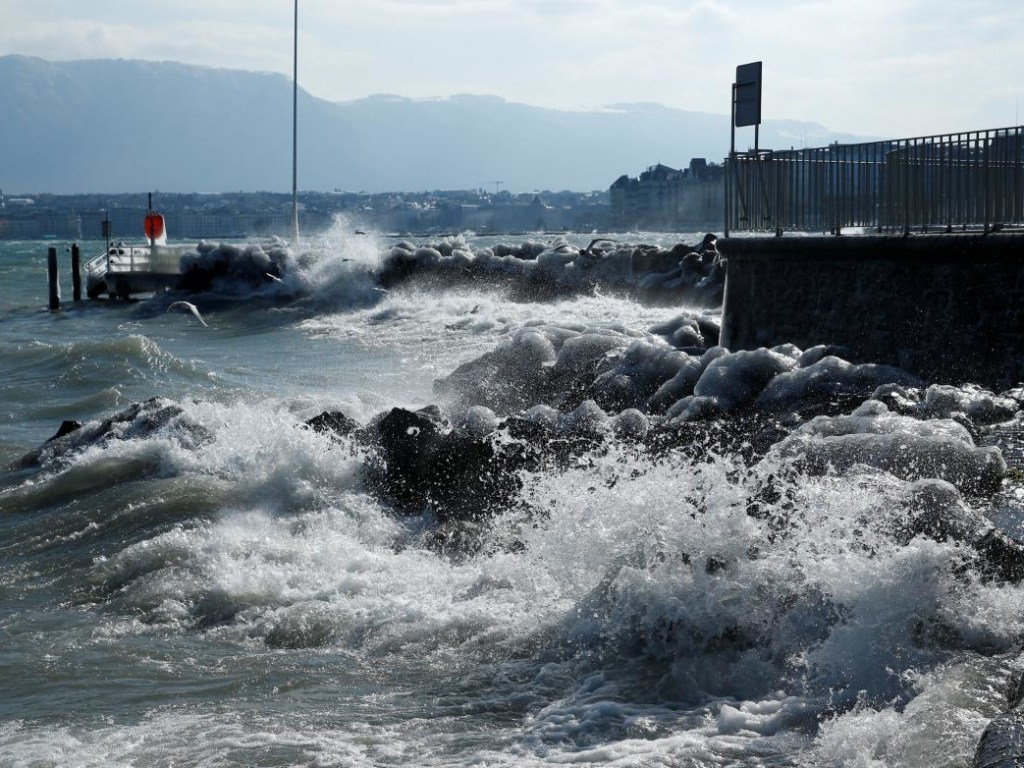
(121, 270)
(908, 252)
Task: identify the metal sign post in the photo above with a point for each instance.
(746, 110)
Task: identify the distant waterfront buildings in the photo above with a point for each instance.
(667, 199)
(262, 214)
(661, 199)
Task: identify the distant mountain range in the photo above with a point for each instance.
(116, 126)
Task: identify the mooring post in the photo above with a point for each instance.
(76, 272)
(51, 270)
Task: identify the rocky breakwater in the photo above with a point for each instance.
(550, 396)
(526, 271)
(536, 270)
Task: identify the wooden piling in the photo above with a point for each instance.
(76, 272)
(54, 277)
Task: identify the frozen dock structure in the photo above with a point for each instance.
(946, 306)
(124, 270)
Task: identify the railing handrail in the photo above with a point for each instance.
(968, 178)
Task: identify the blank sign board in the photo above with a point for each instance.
(747, 94)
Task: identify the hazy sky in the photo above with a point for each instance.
(887, 68)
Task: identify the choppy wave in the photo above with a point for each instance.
(730, 558)
(632, 621)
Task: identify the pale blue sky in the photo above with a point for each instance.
(871, 67)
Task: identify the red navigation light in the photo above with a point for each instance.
(154, 226)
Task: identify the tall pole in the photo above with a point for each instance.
(295, 130)
(730, 162)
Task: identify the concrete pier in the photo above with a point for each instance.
(948, 307)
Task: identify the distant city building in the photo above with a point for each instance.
(665, 198)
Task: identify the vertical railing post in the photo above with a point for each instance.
(727, 187)
(905, 181)
(987, 176)
(1018, 171)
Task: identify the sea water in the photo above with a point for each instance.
(238, 595)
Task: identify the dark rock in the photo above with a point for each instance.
(459, 475)
(1000, 744)
(469, 478)
(403, 439)
(66, 428)
(748, 435)
(710, 330)
(1002, 558)
(527, 443)
(334, 423)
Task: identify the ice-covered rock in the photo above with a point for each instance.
(479, 421)
(735, 380)
(681, 384)
(629, 377)
(631, 424)
(979, 405)
(544, 416)
(136, 422)
(582, 352)
(829, 380)
(534, 269)
(512, 377)
(227, 266)
(900, 445)
(689, 330)
(587, 420)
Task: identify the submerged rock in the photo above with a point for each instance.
(935, 509)
(137, 421)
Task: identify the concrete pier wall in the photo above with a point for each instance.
(947, 307)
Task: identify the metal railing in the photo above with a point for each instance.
(972, 180)
(128, 269)
(128, 259)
